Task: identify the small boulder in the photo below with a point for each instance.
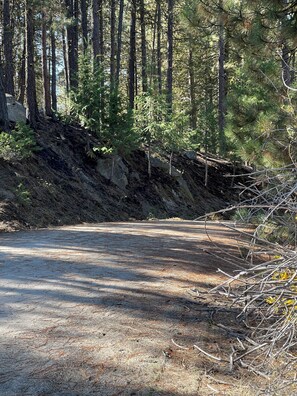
(16, 111)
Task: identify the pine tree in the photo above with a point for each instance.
(4, 124)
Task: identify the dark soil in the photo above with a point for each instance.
(60, 184)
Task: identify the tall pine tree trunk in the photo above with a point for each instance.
(72, 41)
(112, 43)
(143, 46)
(286, 70)
(153, 53)
(30, 69)
(69, 41)
(101, 31)
(74, 67)
(285, 50)
(54, 72)
(222, 84)
(22, 75)
(4, 123)
(170, 55)
(8, 49)
(84, 23)
(45, 73)
(96, 31)
(159, 51)
(119, 43)
(192, 87)
(65, 60)
(98, 48)
(132, 55)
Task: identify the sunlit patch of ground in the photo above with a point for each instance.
(105, 309)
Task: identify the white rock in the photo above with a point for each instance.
(16, 111)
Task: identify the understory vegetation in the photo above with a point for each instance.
(18, 143)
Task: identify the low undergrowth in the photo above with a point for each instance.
(18, 144)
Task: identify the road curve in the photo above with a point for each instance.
(93, 309)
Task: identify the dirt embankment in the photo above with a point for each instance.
(63, 184)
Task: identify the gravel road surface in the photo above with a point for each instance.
(93, 309)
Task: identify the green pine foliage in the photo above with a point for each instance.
(88, 100)
(100, 109)
(259, 117)
(176, 134)
(118, 136)
(159, 130)
(149, 114)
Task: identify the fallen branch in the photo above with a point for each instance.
(244, 365)
(218, 359)
(213, 389)
(179, 346)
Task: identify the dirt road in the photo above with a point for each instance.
(93, 309)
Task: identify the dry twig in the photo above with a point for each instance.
(266, 284)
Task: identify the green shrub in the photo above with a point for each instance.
(17, 145)
(23, 195)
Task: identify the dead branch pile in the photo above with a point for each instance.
(266, 285)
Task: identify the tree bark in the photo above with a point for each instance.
(153, 72)
(285, 51)
(84, 23)
(149, 161)
(54, 72)
(132, 56)
(96, 31)
(112, 43)
(8, 49)
(22, 76)
(192, 84)
(206, 138)
(101, 31)
(170, 55)
(30, 69)
(119, 44)
(66, 70)
(222, 85)
(74, 67)
(45, 73)
(159, 51)
(143, 46)
(72, 41)
(4, 122)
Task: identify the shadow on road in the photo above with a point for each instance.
(93, 309)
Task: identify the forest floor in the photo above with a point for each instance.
(100, 309)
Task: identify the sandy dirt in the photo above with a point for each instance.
(93, 310)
